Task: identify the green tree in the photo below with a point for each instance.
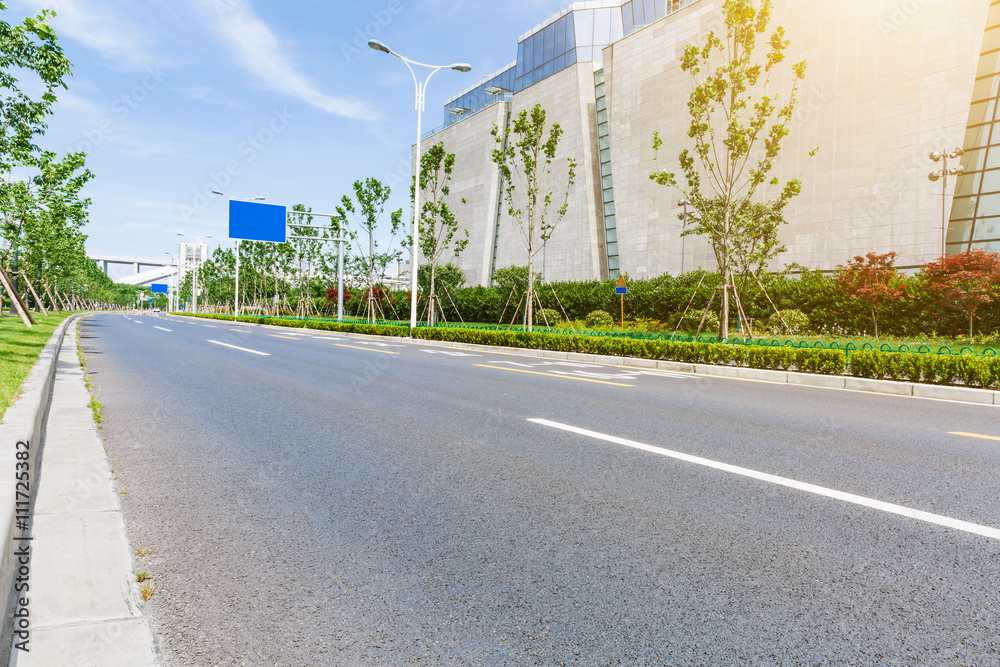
(366, 210)
(526, 158)
(438, 223)
(737, 124)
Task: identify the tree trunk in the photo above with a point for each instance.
(724, 270)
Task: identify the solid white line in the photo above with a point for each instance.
(162, 329)
(937, 519)
(263, 354)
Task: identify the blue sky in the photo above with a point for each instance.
(174, 98)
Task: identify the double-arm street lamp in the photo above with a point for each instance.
(944, 173)
(194, 280)
(421, 89)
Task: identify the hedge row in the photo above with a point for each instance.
(945, 369)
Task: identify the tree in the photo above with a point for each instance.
(438, 224)
(370, 197)
(527, 157)
(872, 280)
(737, 126)
(964, 282)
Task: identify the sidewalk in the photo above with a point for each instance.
(84, 604)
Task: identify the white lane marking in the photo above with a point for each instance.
(235, 347)
(937, 519)
(162, 329)
(451, 354)
(137, 321)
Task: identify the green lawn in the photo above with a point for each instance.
(19, 350)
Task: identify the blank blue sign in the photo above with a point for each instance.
(621, 290)
(159, 288)
(253, 221)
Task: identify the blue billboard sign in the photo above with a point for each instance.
(159, 288)
(253, 221)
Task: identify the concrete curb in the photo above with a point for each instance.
(912, 389)
(23, 422)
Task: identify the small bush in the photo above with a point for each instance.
(691, 321)
(599, 318)
(550, 315)
(796, 320)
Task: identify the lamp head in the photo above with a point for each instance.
(462, 67)
(379, 46)
(935, 156)
(934, 175)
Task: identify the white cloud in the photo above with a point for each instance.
(257, 50)
(101, 28)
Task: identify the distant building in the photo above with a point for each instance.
(887, 84)
(191, 256)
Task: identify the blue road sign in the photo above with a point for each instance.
(621, 290)
(159, 288)
(253, 221)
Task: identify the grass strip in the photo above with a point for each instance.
(19, 350)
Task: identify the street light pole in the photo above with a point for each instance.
(421, 90)
(194, 279)
(943, 173)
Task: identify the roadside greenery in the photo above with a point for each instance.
(19, 350)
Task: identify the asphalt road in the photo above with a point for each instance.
(314, 499)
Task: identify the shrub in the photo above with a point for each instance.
(796, 320)
(550, 315)
(599, 318)
(691, 321)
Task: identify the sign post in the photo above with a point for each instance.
(622, 289)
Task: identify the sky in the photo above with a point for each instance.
(172, 99)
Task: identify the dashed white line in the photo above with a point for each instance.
(161, 328)
(243, 349)
(927, 517)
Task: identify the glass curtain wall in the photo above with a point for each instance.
(975, 212)
(638, 13)
(478, 99)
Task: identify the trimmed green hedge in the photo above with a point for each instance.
(944, 369)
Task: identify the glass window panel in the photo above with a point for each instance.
(570, 57)
(616, 25)
(611, 236)
(598, 77)
(559, 35)
(606, 182)
(613, 266)
(609, 195)
(599, 90)
(973, 160)
(609, 222)
(602, 116)
(963, 207)
(959, 231)
(988, 247)
(985, 88)
(992, 158)
(661, 8)
(548, 42)
(627, 22)
(547, 71)
(991, 181)
(584, 20)
(649, 9)
(612, 250)
(605, 142)
(606, 155)
(606, 169)
(955, 248)
(988, 205)
(977, 136)
(602, 27)
(570, 31)
(518, 85)
(603, 129)
(537, 51)
(559, 64)
(986, 229)
(521, 65)
(584, 53)
(993, 18)
(968, 185)
(992, 39)
(609, 208)
(988, 64)
(638, 16)
(982, 112)
(528, 58)
(602, 103)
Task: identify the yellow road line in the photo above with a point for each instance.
(554, 375)
(975, 435)
(280, 336)
(366, 349)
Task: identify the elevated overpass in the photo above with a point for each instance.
(135, 271)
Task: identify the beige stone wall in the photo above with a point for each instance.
(887, 83)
